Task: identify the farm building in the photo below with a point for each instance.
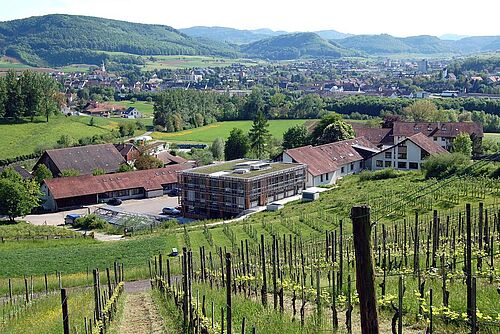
(227, 189)
(169, 159)
(327, 163)
(84, 159)
(129, 151)
(408, 154)
(77, 191)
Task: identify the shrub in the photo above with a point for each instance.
(90, 222)
(388, 173)
(444, 165)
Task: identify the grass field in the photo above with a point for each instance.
(23, 138)
(185, 62)
(208, 133)
(146, 108)
(494, 136)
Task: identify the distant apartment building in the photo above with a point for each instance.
(227, 189)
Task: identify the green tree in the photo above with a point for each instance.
(125, 168)
(259, 135)
(462, 144)
(70, 172)
(3, 97)
(98, 171)
(310, 106)
(147, 161)
(254, 104)
(17, 197)
(66, 141)
(92, 121)
(50, 97)
(237, 145)
(296, 136)
(421, 111)
(42, 173)
(14, 102)
(202, 157)
(217, 148)
(331, 128)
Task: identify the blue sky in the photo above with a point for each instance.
(396, 17)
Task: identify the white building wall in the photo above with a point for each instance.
(391, 158)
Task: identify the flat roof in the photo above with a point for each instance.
(226, 169)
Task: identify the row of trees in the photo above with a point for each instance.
(29, 95)
(177, 110)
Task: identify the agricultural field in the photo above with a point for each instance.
(146, 108)
(304, 252)
(207, 134)
(494, 136)
(24, 138)
(187, 62)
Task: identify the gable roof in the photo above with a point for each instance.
(20, 170)
(84, 185)
(426, 144)
(421, 141)
(85, 159)
(376, 136)
(441, 129)
(168, 158)
(329, 157)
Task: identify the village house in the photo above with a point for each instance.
(442, 133)
(169, 159)
(228, 189)
(132, 113)
(78, 191)
(330, 162)
(84, 159)
(407, 154)
(129, 151)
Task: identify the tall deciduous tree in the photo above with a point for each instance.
(147, 161)
(237, 145)
(42, 173)
(18, 197)
(331, 128)
(296, 136)
(462, 144)
(14, 106)
(259, 135)
(217, 148)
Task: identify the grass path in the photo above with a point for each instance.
(140, 314)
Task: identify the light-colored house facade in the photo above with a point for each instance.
(407, 154)
(330, 162)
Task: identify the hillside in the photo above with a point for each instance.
(64, 39)
(294, 46)
(332, 34)
(230, 35)
(387, 44)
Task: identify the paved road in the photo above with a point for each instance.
(148, 206)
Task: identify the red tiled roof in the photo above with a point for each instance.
(426, 144)
(375, 135)
(152, 179)
(441, 129)
(329, 157)
(168, 158)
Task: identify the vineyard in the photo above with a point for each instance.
(435, 247)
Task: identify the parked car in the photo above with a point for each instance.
(170, 211)
(115, 201)
(175, 252)
(174, 192)
(71, 218)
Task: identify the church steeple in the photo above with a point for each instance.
(103, 68)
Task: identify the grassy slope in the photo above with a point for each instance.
(23, 138)
(494, 136)
(146, 108)
(186, 62)
(208, 133)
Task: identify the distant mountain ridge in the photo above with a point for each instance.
(294, 46)
(58, 40)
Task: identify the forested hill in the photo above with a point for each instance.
(387, 44)
(64, 39)
(293, 46)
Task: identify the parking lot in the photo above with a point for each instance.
(152, 206)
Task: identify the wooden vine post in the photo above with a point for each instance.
(229, 306)
(64, 306)
(365, 276)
